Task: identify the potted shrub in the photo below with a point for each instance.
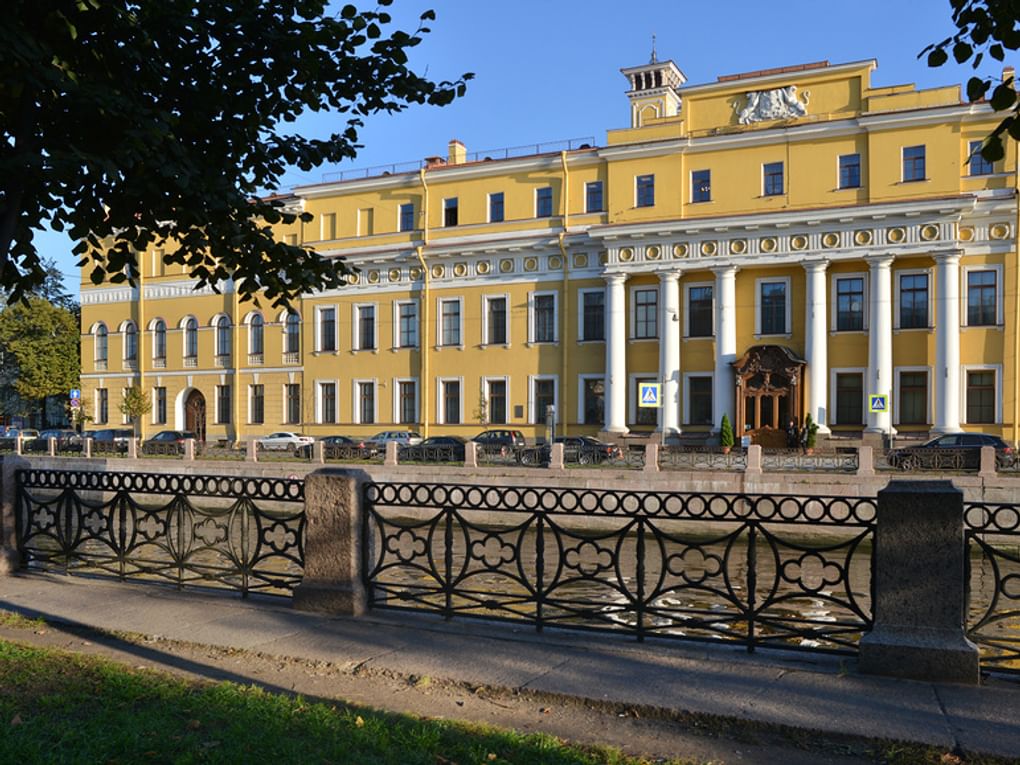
(810, 435)
(725, 435)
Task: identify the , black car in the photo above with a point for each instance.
(340, 447)
(500, 441)
(167, 442)
(67, 440)
(585, 450)
(110, 440)
(953, 451)
(434, 449)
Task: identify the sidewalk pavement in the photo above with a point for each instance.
(811, 692)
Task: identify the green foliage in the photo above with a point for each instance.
(985, 26)
(40, 349)
(482, 410)
(80, 416)
(812, 432)
(70, 708)
(128, 124)
(135, 403)
(726, 432)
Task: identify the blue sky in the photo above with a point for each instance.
(549, 70)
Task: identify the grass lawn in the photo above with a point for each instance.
(58, 707)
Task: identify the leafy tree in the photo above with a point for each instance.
(135, 404)
(130, 124)
(482, 410)
(39, 345)
(80, 416)
(985, 26)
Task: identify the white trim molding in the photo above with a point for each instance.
(532, 413)
(897, 274)
(929, 403)
(531, 315)
(965, 370)
(788, 305)
(834, 372)
(834, 279)
(965, 294)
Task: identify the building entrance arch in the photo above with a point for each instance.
(769, 384)
(190, 414)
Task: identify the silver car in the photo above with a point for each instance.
(402, 438)
(284, 441)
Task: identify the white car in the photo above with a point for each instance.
(284, 441)
(402, 437)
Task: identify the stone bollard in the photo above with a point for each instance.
(319, 452)
(920, 586)
(865, 461)
(471, 454)
(18, 448)
(10, 558)
(189, 449)
(392, 449)
(132, 444)
(753, 460)
(988, 466)
(88, 448)
(556, 457)
(651, 457)
(332, 572)
(251, 451)
(51, 446)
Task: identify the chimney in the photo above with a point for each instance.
(457, 154)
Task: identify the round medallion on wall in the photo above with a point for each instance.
(798, 242)
(896, 234)
(353, 278)
(580, 261)
(506, 266)
(653, 253)
(768, 244)
(929, 232)
(437, 272)
(626, 255)
(680, 250)
(373, 277)
(415, 274)
(738, 246)
(482, 267)
(555, 262)
(862, 238)
(965, 234)
(531, 264)
(999, 231)
(830, 240)
(394, 275)
(604, 258)
(459, 269)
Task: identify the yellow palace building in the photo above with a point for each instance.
(769, 245)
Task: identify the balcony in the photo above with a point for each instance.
(159, 362)
(292, 357)
(191, 361)
(100, 365)
(222, 360)
(255, 359)
(131, 365)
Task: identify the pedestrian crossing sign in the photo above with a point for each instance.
(648, 394)
(878, 403)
